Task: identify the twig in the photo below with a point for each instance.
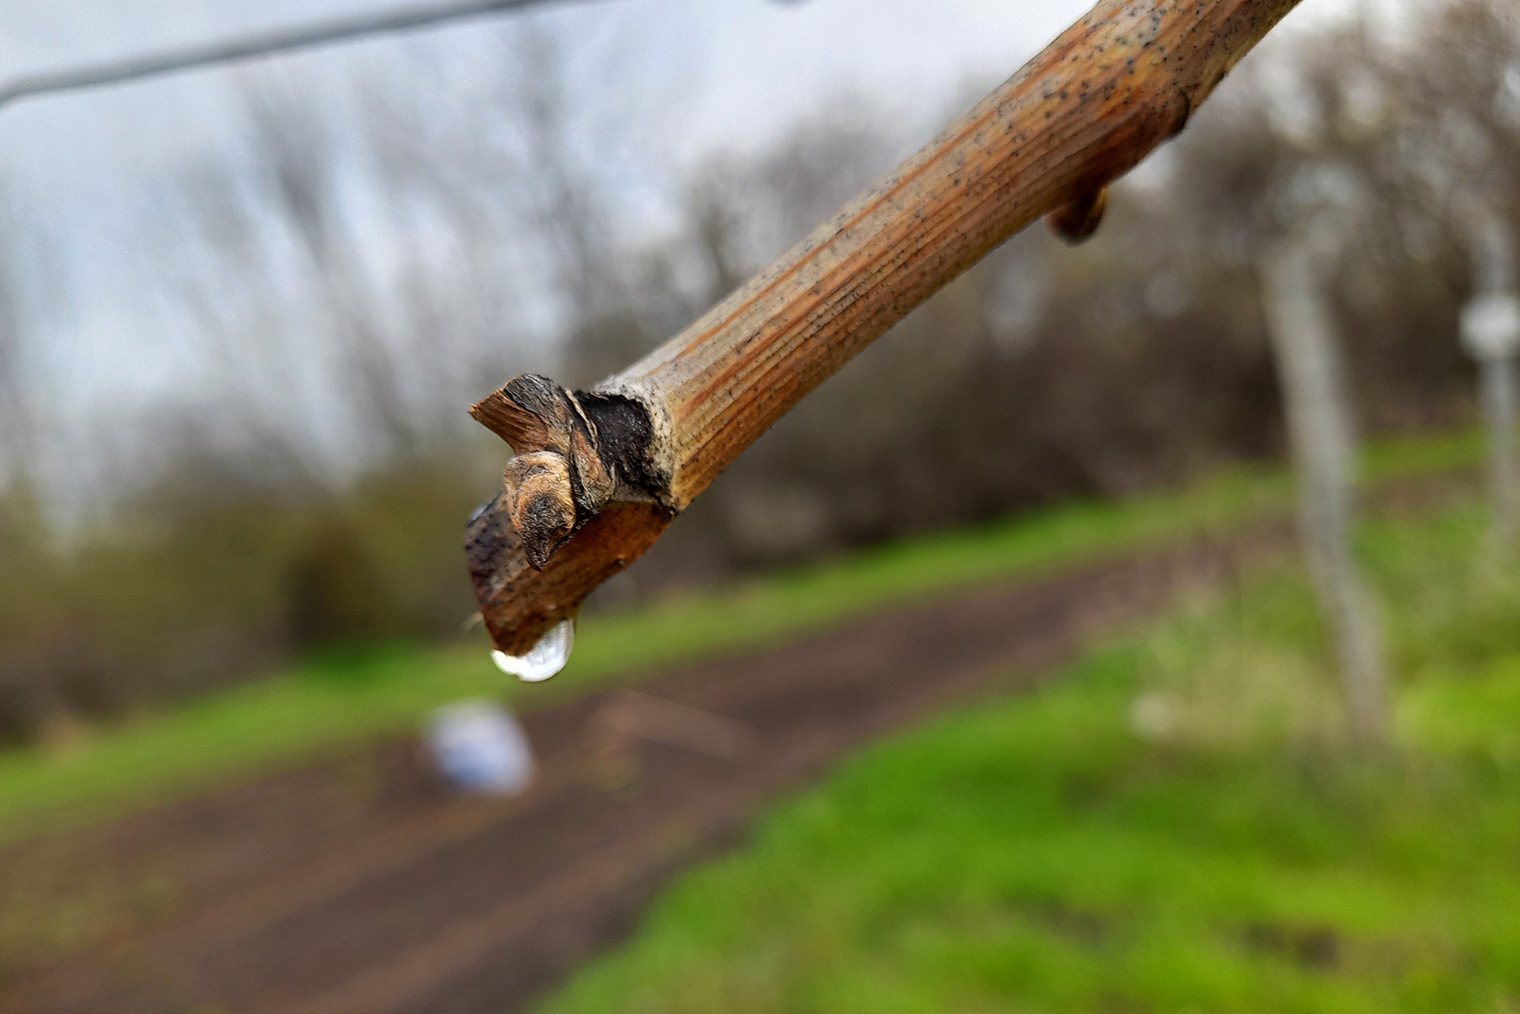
(1084, 111)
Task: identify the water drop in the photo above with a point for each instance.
(544, 659)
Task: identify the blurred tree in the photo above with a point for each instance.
(22, 253)
(1491, 332)
(1319, 421)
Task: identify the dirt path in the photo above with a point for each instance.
(360, 885)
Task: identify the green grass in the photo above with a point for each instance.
(1175, 824)
(331, 703)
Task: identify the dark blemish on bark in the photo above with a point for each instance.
(624, 440)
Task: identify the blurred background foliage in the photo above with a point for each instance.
(359, 270)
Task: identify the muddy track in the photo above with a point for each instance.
(359, 885)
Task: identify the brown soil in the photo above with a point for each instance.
(361, 885)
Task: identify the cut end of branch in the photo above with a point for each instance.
(582, 499)
(558, 480)
(520, 603)
(500, 413)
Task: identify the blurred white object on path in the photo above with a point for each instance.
(480, 747)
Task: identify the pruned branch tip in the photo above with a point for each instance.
(599, 475)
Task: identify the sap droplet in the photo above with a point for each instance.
(544, 659)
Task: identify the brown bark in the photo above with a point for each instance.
(1085, 110)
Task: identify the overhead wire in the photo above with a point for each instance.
(252, 45)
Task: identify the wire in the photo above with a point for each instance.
(248, 47)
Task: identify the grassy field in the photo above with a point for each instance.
(332, 702)
(1175, 824)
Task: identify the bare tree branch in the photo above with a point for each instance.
(1085, 110)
